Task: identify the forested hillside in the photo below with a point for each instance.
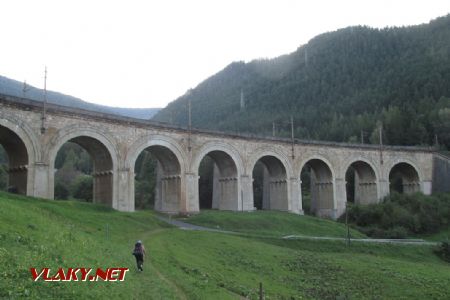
(339, 86)
(16, 88)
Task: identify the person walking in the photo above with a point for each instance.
(139, 253)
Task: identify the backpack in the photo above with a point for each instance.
(138, 249)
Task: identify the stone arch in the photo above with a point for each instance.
(170, 170)
(103, 152)
(23, 149)
(270, 152)
(319, 157)
(228, 168)
(404, 177)
(406, 161)
(155, 140)
(365, 184)
(322, 186)
(277, 171)
(218, 146)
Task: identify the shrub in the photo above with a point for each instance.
(397, 232)
(61, 191)
(82, 188)
(443, 251)
(400, 215)
(3, 177)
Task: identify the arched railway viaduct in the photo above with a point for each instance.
(114, 143)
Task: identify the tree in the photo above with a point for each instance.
(61, 191)
(82, 188)
(145, 181)
(3, 178)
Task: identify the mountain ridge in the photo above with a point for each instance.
(339, 86)
(15, 88)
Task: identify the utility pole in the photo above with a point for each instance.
(261, 291)
(346, 223)
(242, 100)
(189, 125)
(292, 136)
(306, 56)
(44, 107)
(171, 117)
(25, 88)
(273, 128)
(381, 143)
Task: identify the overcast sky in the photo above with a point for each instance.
(147, 53)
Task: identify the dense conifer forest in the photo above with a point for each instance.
(341, 86)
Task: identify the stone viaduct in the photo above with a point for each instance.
(114, 144)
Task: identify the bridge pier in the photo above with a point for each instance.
(322, 199)
(246, 203)
(216, 187)
(295, 203)
(158, 190)
(426, 187)
(103, 187)
(383, 189)
(125, 191)
(365, 192)
(192, 196)
(340, 198)
(266, 189)
(229, 197)
(40, 181)
(170, 193)
(278, 194)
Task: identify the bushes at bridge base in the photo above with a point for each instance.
(401, 215)
(443, 251)
(61, 191)
(82, 188)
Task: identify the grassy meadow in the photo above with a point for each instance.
(184, 264)
(271, 224)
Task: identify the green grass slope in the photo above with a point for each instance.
(214, 266)
(271, 223)
(39, 233)
(198, 265)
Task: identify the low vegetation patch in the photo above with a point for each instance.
(443, 251)
(401, 216)
(270, 223)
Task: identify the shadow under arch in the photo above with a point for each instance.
(361, 182)
(317, 178)
(167, 190)
(404, 178)
(169, 171)
(22, 148)
(270, 183)
(225, 174)
(103, 155)
(17, 157)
